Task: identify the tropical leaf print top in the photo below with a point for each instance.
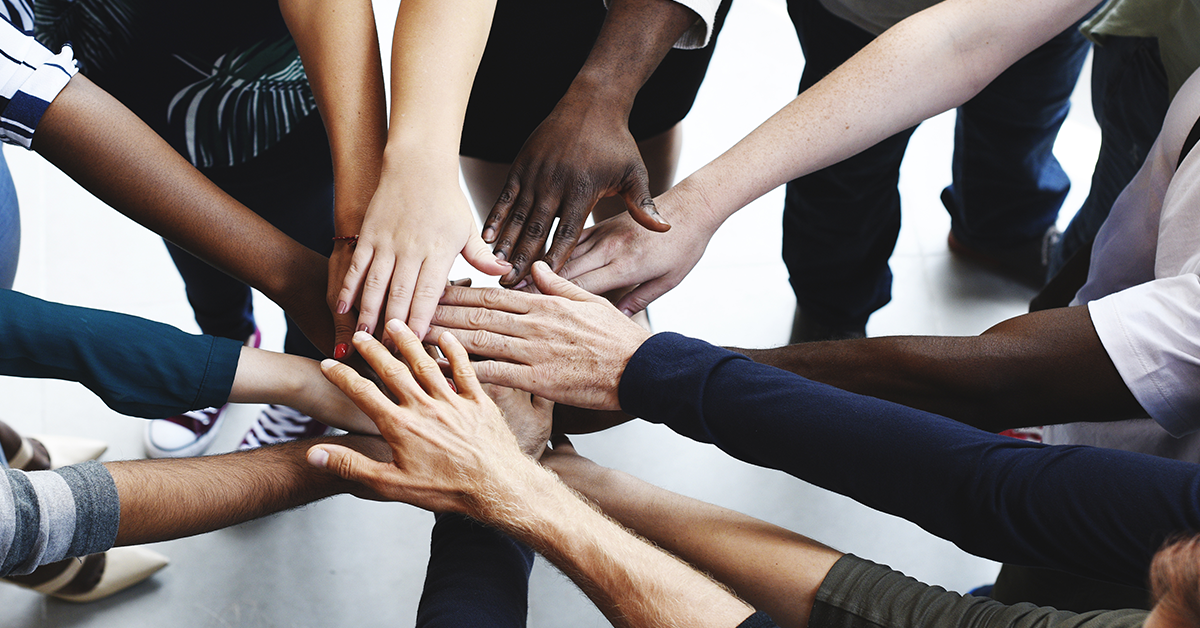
(221, 81)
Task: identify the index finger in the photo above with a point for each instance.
(489, 298)
(367, 396)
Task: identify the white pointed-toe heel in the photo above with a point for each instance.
(63, 450)
(123, 568)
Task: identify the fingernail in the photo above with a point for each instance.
(361, 336)
(318, 457)
(489, 234)
(499, 256)
(659, 219)
(361, 327)
(387, 344)
(503, 262)
(543, 265)
(393, 325)
(341, 350)
(342, 307)
(627, 312)
(524, 282)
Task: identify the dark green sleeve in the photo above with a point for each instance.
(138, 367)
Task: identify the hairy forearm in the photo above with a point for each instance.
(114, 155)
(173, 498)
(929, 63)
(630, 581)
(635, 37)
(1037, 369)
(774, 569)
(339, 45)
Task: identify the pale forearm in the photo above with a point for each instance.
(296, 382)
(929, 63)
(1036, 369)
(435, 52)
(339, 45)
(630, 581)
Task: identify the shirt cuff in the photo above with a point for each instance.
(31, 89)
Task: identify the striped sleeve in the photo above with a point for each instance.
(30, 78)
(46, 516)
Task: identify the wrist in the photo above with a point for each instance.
(691, 202)
(603, 92)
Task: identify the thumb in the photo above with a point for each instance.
(549, 283)
(636, 193)
(641, 297)
(479, 254)
(343, 462)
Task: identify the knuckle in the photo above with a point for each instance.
(535, 229)
(477, 318)
(492, 298)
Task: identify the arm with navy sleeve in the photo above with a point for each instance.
(1096, 512)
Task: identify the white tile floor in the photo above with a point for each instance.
(350, 563)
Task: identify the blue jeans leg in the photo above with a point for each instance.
(477, 577)
(1008, 187)
(1129, 99)
(291, 186)
(10, 227)
(840, 224)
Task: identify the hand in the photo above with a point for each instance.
(529, 417)
(617, 254)
(415, 226)
(579, 154)
(565, 344)
(451, 451)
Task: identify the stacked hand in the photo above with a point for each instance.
(565, 344)
(414, 228)
(451, 449)
(578, 155)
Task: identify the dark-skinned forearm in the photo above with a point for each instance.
(108, 150)
(1041, 368)
(635, 37)
(173, 498)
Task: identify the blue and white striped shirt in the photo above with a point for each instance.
(31, 77)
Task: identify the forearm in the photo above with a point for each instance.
(136, 366)
(1037, 369)
(630, 581)
(173, 498)
(927, 64)
(435, 52)
(994, 496)
(339, 45)
(114, 155)
(635, 37)
(775, 570)
(296, 382)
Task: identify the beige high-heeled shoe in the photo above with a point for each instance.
(120, 568)
(63, 450)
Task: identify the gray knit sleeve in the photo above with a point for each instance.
(46, 516)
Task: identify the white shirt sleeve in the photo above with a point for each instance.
(698, 35)
(1152, 334)
(30, 78)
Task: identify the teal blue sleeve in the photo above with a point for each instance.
(138, 367)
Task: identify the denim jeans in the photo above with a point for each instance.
(10, 227)
(840, 224)
(291, 186)
(1129, 99)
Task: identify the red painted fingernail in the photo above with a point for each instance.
(341, 350)
(342, 307)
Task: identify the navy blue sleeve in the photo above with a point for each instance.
(138, 367)
(1096, 512)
